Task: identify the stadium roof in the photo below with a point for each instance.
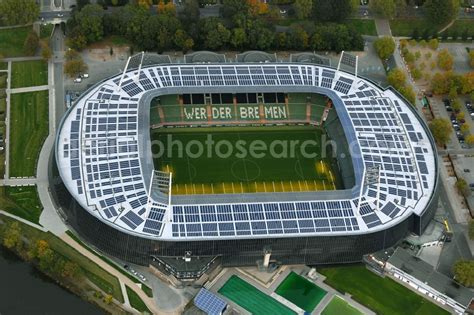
(103, 154)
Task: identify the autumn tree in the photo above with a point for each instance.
(445, 60)
(385, 46)
(441, 130)
(469, 140)
(396, 78)
(433, 43)
(12, 235)
(464, 272)
(166, 8)
(46, 52)
(145, 3)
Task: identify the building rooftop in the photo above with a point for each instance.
(103, 154)
(425, 273)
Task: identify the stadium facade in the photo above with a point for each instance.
(109, 193)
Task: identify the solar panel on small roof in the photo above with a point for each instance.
(209, 302)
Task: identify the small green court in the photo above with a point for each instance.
(338, 306)
(252, 299)
(301, 292)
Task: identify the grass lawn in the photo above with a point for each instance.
(252, 299)
(3, 80)
(382, 295)
(12, 41)
(405, 27)
(3, 65)
(136, 302)
(29, 73)
(301, 292)
(339, 306)
(148, 291)
(246, 171)
(460, 25)
(363, 26)
(92, 271)
(28, 130)
(22, 201)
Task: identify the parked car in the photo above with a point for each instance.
(449, 108)
(78, 80)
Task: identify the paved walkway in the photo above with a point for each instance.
(18, 182)
(121, 277)
(30, 89)
(7, 123)
(383, 27)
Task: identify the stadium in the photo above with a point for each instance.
(135, 176)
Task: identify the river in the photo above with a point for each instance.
(25, 290)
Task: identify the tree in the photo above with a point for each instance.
(441, 130)
(302, 8)
(469, 139)
(74, 67)
(445, 60)
(332, 10)
(166, 8)
(441, 12)
(463, 187)
(90, 22)
(145, 3)
(460, 116)
(31, 44)
(385, 46)
(396, 78)
(218, 38)
(384, 8)
(408, 92)
(471, 58)
(70, 271)
(190, 11)
(464, 128)
(46, 52)
(464, 272)
(183, 41)
(433, 43)
(12, 235)
(239, 38)
(18, 12)
(235, 10)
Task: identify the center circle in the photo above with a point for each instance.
(245, 170)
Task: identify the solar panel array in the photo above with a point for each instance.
(101, 151)
(209, 302)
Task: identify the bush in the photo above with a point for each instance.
(433, 43)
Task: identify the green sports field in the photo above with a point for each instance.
(244, 159)
(301, 292)
(338, 306)
(252, 299)
(382, 295)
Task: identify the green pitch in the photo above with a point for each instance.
(301, 292)
(252, 299)
(339, 306)
(244, 159)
